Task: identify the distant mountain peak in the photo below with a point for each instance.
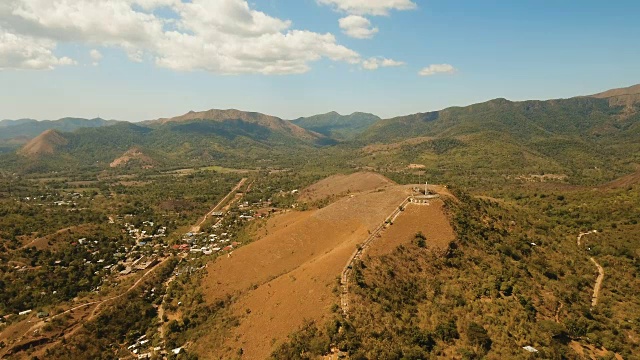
(271, 122)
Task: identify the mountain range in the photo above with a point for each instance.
(601, 131)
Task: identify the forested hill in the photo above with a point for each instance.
(338, 126)
(232, 138)
(527, 120)
(587, 139)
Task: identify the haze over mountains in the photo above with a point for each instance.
(338, 126)
(29, 128)
(542, 135)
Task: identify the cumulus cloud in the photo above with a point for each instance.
(437, 69)
(357, 27)
(369, 7)
(96, 56)
(220, 36)
(377, 62)
(26, 52)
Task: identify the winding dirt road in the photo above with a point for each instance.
(600, 278)
(596, 288)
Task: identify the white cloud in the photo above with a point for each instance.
(369, 7)
(220, 36)
(357, 27)
(25, 52)
(437, 69)
(376, 63)
(96, 56)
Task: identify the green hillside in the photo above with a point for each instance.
(189, 142)
(338, 126)
(588, 139)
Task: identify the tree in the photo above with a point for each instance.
(478, 336)
(421, 240)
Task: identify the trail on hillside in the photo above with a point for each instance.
(600, 278)
(596, 288)
(357, 255)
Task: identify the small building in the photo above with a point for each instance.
(24, 312)
(42, 314)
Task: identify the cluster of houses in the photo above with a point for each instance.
(142, 344)
(146, 233)
(56, 199)
(142, 263)
(206, 244)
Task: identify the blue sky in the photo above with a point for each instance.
(513, 49)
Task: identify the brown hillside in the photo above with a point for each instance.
(340, 185)
(267, 121)
(133, 154)
(428, 219)
(288, 276)
(627, 97)
(44, 144)
(624, 181)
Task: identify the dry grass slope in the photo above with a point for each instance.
(44, 144)
(428, 219)
(340, 185)
(288, 276)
